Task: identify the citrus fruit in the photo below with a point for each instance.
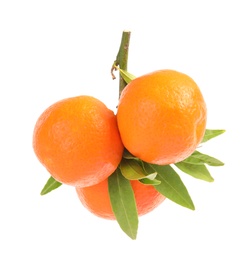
(96, 198)
(78, 141)
(162, 117)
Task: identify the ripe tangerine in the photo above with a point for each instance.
(78, 141)
(162, 117)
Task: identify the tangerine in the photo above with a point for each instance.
(96, 198)
(162, 117)
(78, 141)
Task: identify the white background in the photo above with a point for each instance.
(51, 50)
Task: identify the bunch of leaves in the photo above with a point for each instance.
(164, 178)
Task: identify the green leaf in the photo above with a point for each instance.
(172, 186)
(197, 171)
(149, 171)
(200, 158)
(132, 170)
(150, 182)
(128, 155)
(209, 134)
(128, 77)
(148, 168)
(123, 203)
(51, 184)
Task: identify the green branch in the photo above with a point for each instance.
(122, 59)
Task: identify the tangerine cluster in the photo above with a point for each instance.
(161, 119)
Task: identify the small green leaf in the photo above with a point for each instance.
(128, 77)
(123, 203)
(209, 134)
(200, 158)
(132, 170)
(172, 186)
(197, 171)
(147, 181)
(51, 184)
(149, 171)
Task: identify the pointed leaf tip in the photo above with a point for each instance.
(209, 134)
(200, 159)
(172, 187)
(123, 203)
(197, 171)
(50, 185)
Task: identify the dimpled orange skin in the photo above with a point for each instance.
(96, 199)
(162, 117)
(78, 141)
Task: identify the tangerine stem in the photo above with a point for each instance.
(122, 58)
